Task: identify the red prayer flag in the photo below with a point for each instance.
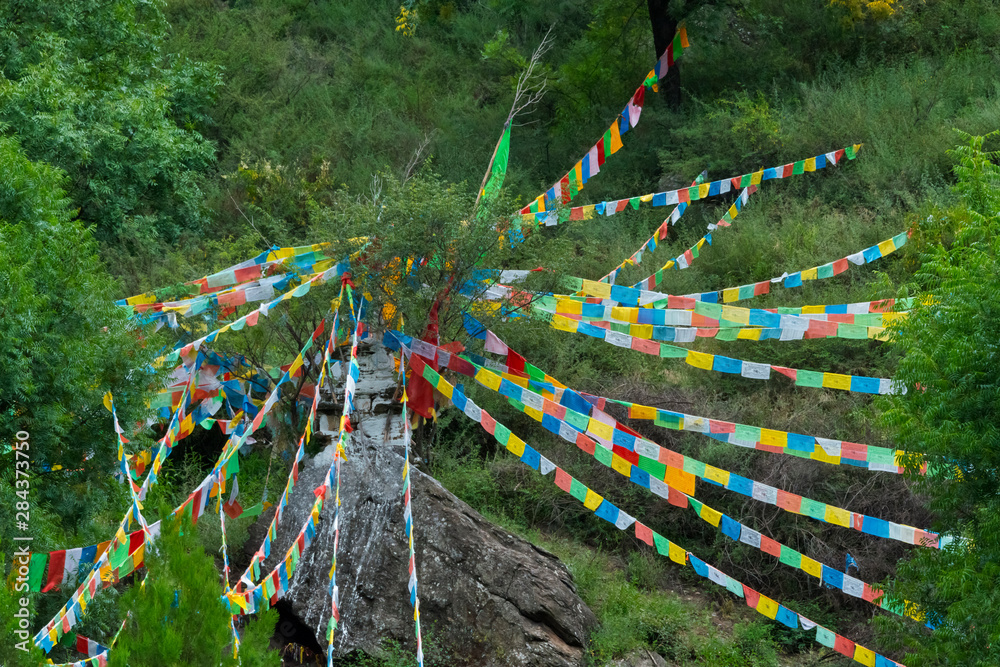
(644, 533)
(57, 563)
(844, 645)
(563, 480)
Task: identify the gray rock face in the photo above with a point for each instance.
(488, 598)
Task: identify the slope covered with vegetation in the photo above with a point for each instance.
(151, 143)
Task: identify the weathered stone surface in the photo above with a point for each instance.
(490, 598)
(641, 658)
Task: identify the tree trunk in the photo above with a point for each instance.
(664, 27)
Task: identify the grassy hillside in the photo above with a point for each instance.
(320, 96)
(312, 107)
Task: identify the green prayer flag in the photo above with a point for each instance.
(36, 571)
(502, 434)
(808, 379)
(696, 468)
(498, 170)
(578, 490)
(790, 556)
(672, 351)
(603, 455)
(654, 468)
(662, 544)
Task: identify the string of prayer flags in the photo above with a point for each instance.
(252, 572)
(710, 320)
(408, 518)
(97, 654)
(689, 194)
(567, 187)
(572, 417)
(828, 270)
(826, 450)
(636, 296)
(252, 269)
(723, 364)
(110, 568)
(623, 521)
(251, 318)
(686, 312)
(685, 259)
(659, 235)
(344, 436)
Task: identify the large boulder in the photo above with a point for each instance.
(488, 598)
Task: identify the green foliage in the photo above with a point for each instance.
(86, 87)
(12, 655)
(63, 344)
(948, 419)
(176, 617)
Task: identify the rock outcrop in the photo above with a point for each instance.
(487, 598)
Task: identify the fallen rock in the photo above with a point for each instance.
(487, 598)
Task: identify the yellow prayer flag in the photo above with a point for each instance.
(887, 247)
(600, 429)
(813, 310)
(736, 314)
(756, 177)
(592, 501)
(644, 331)
(620, 465)
(569, 306)
(533, 413)
(820, 455)
(773, 438)
(748, 334)
(588, 212)
(444, 387)
(622, 313)
(677, 554)
(141, 299)
(487, 379)
(731, 294)
(710, 515)
(810, 164)
(578, 175)
(107, 401)
(838, 516)
(767, 606)
(809, 566)
(700, 359)
(642, 412)
(810, 274)
(837, 381)
(717, 475)
(238, 600)
(645, 199)
(515, 445)
(562, 323)
(703, 190)
(864, 656)
(594, 288)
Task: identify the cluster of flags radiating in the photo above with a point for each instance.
(634, 317)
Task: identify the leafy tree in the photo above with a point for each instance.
(176, 617)
(63, 344)
(950, 415)
(85, 86)
(11, 655)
